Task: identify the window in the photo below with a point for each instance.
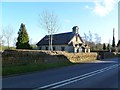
(46, 48)
(53, 48)
(75, 45)
(62, 48)
(40, 48)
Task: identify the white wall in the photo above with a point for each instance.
(74, 40)
(58, 47)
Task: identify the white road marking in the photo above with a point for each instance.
(80, 78)
(106, 62)
(77, 78)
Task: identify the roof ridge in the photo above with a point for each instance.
(61, 33)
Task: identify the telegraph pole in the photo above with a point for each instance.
(113, 42)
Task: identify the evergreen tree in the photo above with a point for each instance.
(108, 47)
(23, 39)
(104, 46)
(113, 42)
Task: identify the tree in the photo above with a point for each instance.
(49, 22)
(7, 33)
(99, 46)
(90, 36)
(14, 41)
(1, 41)
(23, 39)
(108, 47)
(97, 39)
(104, 46)
(85, 38)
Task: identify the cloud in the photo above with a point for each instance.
(103, 7)
(87, 7)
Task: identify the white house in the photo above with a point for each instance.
(70, 41)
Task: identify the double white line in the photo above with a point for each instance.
(75, 79)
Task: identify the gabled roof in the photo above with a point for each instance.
(58, 39)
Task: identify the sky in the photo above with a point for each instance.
(96, 16)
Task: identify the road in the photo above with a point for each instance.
(89, 75)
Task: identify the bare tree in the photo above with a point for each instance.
(1, 41)
(90, 36)
(30, 41)
(14, 41)
(7, 33)
(49, 22)
(97, 39)
(85, 38)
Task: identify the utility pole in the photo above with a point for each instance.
(113, 42)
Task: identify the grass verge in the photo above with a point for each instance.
(12, 70)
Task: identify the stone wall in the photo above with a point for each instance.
(109, 55)
(81, 57)
(13, 57)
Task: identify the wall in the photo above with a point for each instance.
(74, 40)
(13, 57)
(118, 48)
(109, 55)
(58, 47)
(105, 54)
(81, 57)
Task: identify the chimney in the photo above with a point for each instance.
(75, 29)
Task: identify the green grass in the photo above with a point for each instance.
(6, 48)
(11, 70)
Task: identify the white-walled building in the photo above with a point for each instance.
(70, 41)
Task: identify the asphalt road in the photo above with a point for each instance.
(90, 75)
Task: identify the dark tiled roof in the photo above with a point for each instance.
(58, 39)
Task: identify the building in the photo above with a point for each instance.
(70, 41)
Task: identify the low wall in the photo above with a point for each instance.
(13, 57)
(81, 57)
(104, 55)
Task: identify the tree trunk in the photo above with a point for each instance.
(51, 43)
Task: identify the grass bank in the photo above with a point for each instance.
(20, 69)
